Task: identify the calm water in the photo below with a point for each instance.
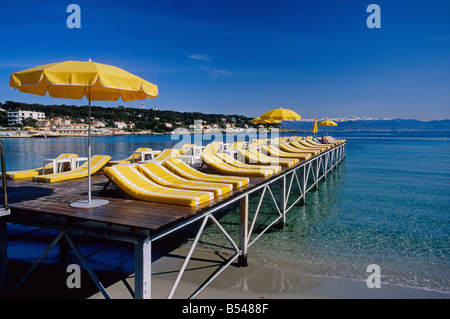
(387, 204)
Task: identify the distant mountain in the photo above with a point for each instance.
(367, 124)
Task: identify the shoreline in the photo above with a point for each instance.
(257, 281)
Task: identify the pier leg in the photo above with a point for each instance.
(303, 186)
(243, 231)
(63, 252)
(3, 257)
(283, 199)
(142, 270)
(316, 174)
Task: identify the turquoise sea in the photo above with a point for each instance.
(388, 204)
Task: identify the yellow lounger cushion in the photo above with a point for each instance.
(237, 146)
(219, 165)
(161, 175)
(185, 148)
(134, 183)
(212, 148)
(306, 148)
(274, 151)
(314, 143)
(331, 139)
(233, 162)
(320, 147)
(167, 153)
(29, 173)
(97, 163)
(253, 156)
(290, 148)
(188, 172)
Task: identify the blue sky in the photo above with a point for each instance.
(318, 58)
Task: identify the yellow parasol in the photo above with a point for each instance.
(281, 115)
(259, 120)
(315, 128)
(327, 123)
(75, 80)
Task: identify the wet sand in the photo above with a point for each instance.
(257, 281)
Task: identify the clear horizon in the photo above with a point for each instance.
(232, 57)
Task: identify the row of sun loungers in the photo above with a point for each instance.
(30, 173)
(156, 182)
(166, 179)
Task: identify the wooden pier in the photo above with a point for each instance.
(142, 223)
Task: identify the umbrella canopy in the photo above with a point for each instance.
(259, 120)
(77, 79)
(327, 123)
(315, 128)
(281, 115)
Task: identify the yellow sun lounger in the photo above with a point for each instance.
(181, 168)
(133, 157)
(166, 154)
(309, 140)
(291, 148)
(212, 148)
(322, 147)
(162, 176)
(253, 156)
(274, 151)
(219, 165)
(135, 184)
(234, 162)
(237, 146)
(97, 163)
(306, 148)
(30, 173)
(332, 140)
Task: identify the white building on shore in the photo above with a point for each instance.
(17, 117)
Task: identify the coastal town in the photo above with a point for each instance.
(31, 123)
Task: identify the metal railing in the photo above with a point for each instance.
(5, 209)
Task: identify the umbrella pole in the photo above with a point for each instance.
(97, 202)
(89, 149)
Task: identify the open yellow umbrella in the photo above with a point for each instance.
(259, 120)
(77, 79)
(281, 115)
(327, 123)
(315, 128)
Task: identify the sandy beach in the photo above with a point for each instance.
(257, 281)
